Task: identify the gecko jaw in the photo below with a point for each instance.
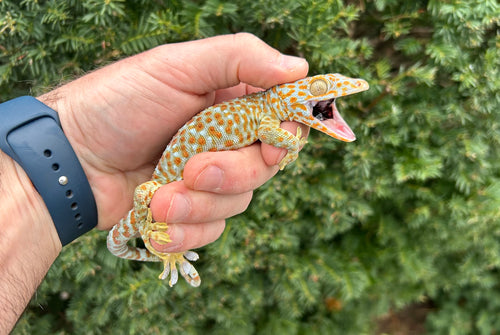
(326, 113)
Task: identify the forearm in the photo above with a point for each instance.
(29, 243)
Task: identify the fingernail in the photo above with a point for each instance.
(292, 62)
(179, 208)
(209, 179)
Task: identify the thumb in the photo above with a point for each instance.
(225, 61)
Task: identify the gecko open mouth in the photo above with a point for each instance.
(326, 112)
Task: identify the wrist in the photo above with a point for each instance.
(23, 204)
(29, 243)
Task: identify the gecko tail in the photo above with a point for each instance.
(120, 235)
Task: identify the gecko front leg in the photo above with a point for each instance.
(271, 133)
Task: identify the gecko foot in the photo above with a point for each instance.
(293, 153)
(158, 232)
(155, 230)
(186, 269)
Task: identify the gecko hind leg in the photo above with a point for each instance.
(170, 262)
(158, 232)
(149, 229)
(186, 269)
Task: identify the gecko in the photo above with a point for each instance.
(227, 126)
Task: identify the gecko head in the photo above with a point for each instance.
(311, 101)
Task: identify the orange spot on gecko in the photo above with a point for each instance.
(199, 126)
(245, 119)
(299, 106)
(137, 254)
(160, 169)
(201, 140)
(239, 134)
(177, 161)
(116, 234)
(229, 128)
(214, 132)
(126, 231)
(228, 143)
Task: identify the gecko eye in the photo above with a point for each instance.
(318, 87)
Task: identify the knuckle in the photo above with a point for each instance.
(245, 38)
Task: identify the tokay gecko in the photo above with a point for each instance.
(226, 126)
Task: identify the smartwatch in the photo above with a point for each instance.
(31, 134)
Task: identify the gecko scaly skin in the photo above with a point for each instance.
(227, 126)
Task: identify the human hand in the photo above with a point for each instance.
(120, 118)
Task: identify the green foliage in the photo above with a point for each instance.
(409, 211)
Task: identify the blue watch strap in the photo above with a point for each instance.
(30, 133)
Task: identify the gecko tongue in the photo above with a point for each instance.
(337, 125)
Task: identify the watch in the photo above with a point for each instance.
(31, 134)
